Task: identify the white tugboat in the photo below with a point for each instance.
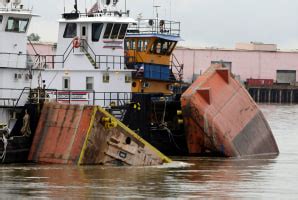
(88, 68)
(15, 81)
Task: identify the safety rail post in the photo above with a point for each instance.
(56, 96)
(107, 61)
(94, 97)
(99, 62)
(110, 97)
(118, 98)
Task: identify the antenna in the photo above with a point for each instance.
(4, 2)
(153, 3)
(170, 9)
(125, 7)
(76, 6)
(16, 3)
(156, 8)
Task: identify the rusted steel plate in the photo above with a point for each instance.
(220, 114)
(84, 135)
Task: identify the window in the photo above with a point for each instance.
(115, 31)
(84, 31)
(128, 78)
(89, 83)
(146, 42)
(70, 30)
(140, 45)
(17, 25)
(106, 78)
(1, 18)
(163, 47)
(96, 31)
(126, 45)
(171, 48)
(108, 31)
(66, 83)
(132, 45)
(122, 32)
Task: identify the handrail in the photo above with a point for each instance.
(69, 96)
(15, 106)
(32, 46)
(155, 26)
(89, 47)
(179, 67)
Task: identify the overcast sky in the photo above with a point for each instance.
(218, 23)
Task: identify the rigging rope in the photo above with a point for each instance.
(5, 142)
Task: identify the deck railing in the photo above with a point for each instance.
(10, 97)
(155, 26)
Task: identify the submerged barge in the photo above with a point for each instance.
(141, 100)
(221, 117)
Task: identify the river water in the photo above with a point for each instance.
(260, 178)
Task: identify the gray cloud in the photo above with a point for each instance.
(219, 23)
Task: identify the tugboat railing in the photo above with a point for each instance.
(12, 98)
(104, 61)
(155, 26)
(86, 97)
(108, 100)
(176, 68)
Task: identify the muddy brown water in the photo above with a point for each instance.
(249, 178)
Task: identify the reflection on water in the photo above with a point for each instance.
(260, 177)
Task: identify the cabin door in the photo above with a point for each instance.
(84, 38)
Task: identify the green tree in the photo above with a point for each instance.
(34, 37)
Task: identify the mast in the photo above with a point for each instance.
(76, 6)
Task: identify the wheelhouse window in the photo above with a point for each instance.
(142, 45)
(66, 83)
(89, 83)
(108, 31)
(17, 25)
(96, 31)
(115, 31)
(122, 32)
(146, 43)
(70, 30)
(1, 19)
(163, 47)
(127, 45)
(133, 44)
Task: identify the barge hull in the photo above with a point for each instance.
(222, 118)
(88, 135)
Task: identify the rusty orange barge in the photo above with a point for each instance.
(221, 117)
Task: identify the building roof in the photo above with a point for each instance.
(235, 50)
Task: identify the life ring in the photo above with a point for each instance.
(76, 42)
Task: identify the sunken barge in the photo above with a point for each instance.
(154, 116)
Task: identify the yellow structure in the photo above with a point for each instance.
(149, 50)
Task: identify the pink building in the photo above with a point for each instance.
(42, 48)
(254, 60)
